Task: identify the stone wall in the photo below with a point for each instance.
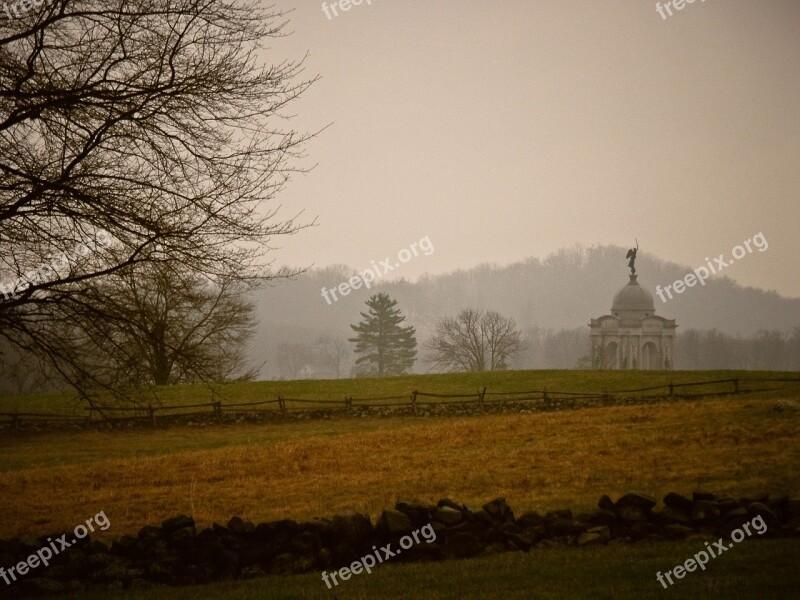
(442, 409)
(176, 553)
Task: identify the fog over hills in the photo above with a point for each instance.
(562, 291)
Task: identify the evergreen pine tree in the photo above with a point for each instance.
(385, 347)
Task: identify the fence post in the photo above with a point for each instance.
(480, 399)
(414, 402)
(545, 399)
(15, 420)
(152, 414)
(736, 386)
(282, 405)
(671, 389)
(348, 405)
(218, 411)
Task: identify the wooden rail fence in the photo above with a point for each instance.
(483, 398)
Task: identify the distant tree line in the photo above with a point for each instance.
(541, 348)
(471, 341)
(762, 351)
(548, 349)
(561, 291)
(695, 349)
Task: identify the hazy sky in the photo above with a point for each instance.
(509, 129)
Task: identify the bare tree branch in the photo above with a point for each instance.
(155, 123)
(474, 341)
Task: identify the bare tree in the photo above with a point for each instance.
(157, 325)
(152, 123)
(292, 357)
(794, 349)
(334, 351)
(567, 349)
(474, 341)
(22, 372)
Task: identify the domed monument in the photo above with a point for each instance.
(633, 336)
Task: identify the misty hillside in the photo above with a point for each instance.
(562, 291)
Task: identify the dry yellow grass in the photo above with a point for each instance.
(300, 470)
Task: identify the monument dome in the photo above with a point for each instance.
(633, 301)
(633, 336)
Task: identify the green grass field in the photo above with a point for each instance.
(734, 445)
(338, 389)
(763, 570)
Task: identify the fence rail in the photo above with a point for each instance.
(720, 387)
